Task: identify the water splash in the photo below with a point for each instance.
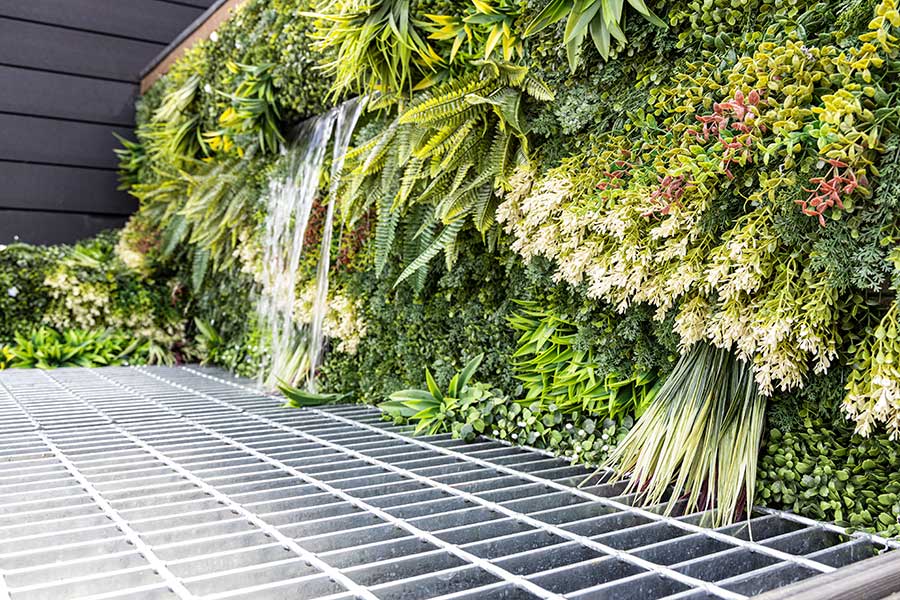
(296, 352)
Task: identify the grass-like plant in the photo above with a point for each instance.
(47, 348)
(488, 25)
(377, 45)
(556, 372)
(699, 439)
(254, 116)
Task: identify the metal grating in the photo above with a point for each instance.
(159, 483)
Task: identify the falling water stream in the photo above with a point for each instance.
(295, 351)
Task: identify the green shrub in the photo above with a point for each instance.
(47, 348)
(827, 472)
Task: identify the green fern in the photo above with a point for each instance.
(385, 232)
(199, 267)
(449, 151)
(447, 235)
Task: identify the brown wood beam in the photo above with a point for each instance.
(199, 30)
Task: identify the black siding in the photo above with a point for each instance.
(69, 74)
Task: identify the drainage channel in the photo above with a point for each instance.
(186, 482)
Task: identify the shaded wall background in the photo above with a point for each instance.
(69, 75)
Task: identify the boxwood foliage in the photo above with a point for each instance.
(22, 294)
(824, 471)
(461, 312)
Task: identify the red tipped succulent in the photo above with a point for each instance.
(733, 124)
(830, 190)
(667, 195)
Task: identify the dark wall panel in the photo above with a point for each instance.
(39, 93)
(36, 227)
(151, 20)
(62, 189)
(36, 139)
(47, 47)
(201, 3)
(69, 74)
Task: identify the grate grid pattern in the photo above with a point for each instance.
(164, 482)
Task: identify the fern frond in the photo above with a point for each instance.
(468, 150)
(385, 232)
(484, 208)
(450, 146)
(425, 150)
(498, 159)
(451, 253)
(411, 174)
(512, 74)
(454, 205)
(536, 88)
(436, 188)
(460, 178)
(452, 101)
(199, 266)
(447, 235)
(507, 105)
(174, 235)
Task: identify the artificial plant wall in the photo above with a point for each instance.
(683, 212)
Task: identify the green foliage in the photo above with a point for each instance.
(254, 113)
(699, 439)
(451, 150)
(556, 372)
(23, 297)
(580, 437)
(488, 24)
(89, 288)
(434, 411)
(731, 179)
(468, 410)
(599, 18)
(685, 207)
(47, 348)
(377, 44)
(298, 398)
(456, 316)
(268, 32)
(229, 336)
(827, 472)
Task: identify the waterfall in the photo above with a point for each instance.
(289, 204)
(345, 123)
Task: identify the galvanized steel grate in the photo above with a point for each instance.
(189, 483)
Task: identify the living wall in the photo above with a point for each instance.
(662, 237)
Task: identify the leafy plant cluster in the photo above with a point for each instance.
(827, 472)
(89, 288)
(710, 183)
(557, 373)
(692, 207)
(460, 312)
(439, 163)
(22, 293)
(47, 348)
(468, 409)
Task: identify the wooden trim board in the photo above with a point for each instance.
(200, 29)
